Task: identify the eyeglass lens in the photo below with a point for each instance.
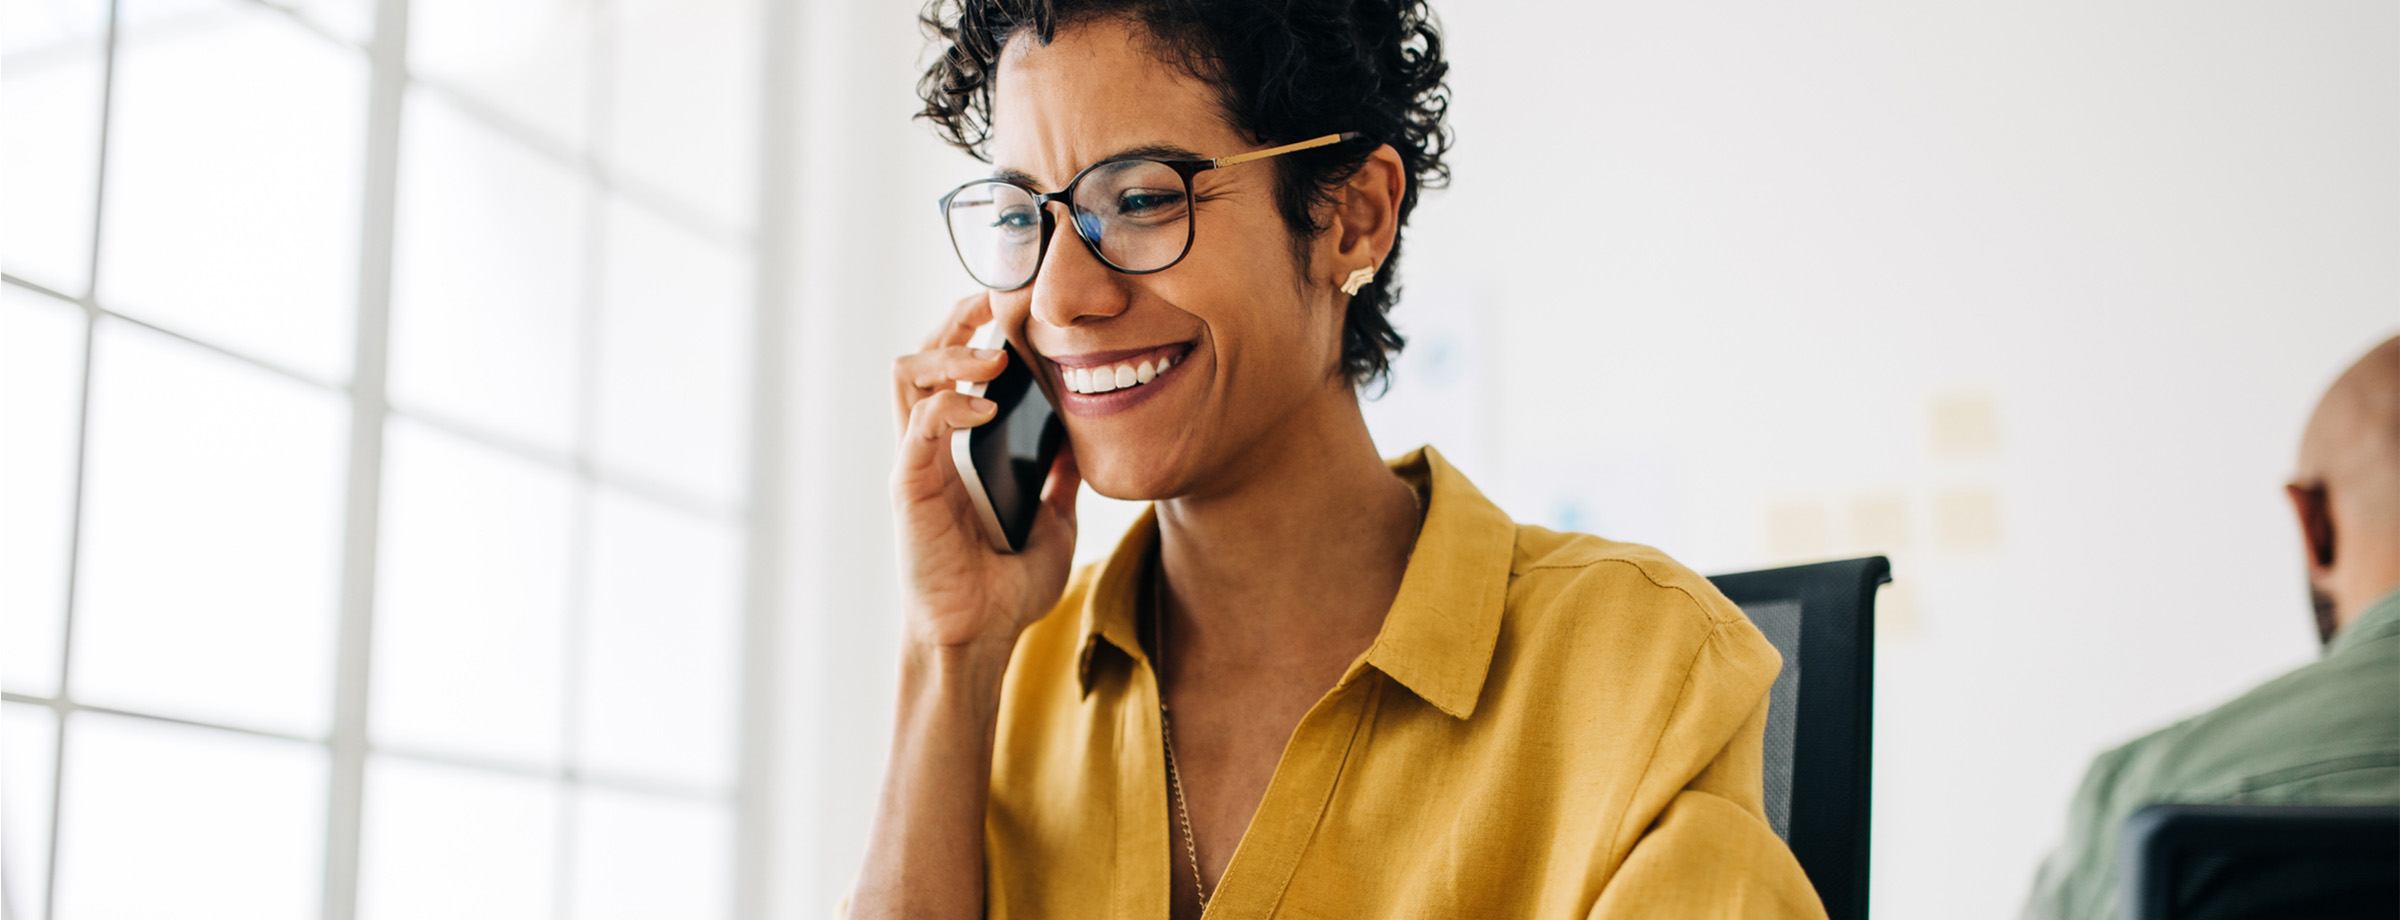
(1135, 213)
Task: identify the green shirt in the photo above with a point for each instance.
(2325, 734)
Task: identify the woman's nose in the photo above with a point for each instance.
(1073, 287)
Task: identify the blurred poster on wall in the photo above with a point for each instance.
(1634, 498)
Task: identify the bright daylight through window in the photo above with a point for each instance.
(374, 451)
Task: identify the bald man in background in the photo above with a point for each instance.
(2326, 734)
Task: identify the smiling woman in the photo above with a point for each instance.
(1310, 681)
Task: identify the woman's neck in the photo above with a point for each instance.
(1304, 549)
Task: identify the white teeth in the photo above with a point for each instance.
(1094, 380)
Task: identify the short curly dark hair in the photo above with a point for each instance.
(1286, 70)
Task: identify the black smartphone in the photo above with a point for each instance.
(1005, 461)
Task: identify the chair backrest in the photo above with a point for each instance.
(2232, 862)
(1820, 715)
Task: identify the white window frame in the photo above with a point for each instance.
(758, 516)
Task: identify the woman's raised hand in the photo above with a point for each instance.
(958, 590)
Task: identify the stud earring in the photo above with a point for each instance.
(1358, 279)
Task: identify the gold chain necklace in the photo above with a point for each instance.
(1166, 730)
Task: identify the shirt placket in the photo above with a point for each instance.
(1288, 815)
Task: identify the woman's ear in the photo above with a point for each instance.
(1366, 215)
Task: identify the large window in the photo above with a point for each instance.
(374, 455)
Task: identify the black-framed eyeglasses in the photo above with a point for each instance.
(1134, 214)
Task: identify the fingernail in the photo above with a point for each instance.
(981, 404)
(987, 353)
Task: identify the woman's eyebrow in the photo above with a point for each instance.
(1145, 151)
(1155, 152)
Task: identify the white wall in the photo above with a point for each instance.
(2032, 296)
(1752, 252)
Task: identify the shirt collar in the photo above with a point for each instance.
(2381, 618)
(1110, 605)
(1438, 638)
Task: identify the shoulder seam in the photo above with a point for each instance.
(1705, 612)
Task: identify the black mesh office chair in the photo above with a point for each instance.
(1820, 714)
(2261, 862)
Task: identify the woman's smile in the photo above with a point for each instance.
(1105, 383)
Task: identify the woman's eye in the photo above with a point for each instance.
(1019, 219)
(1139, 203)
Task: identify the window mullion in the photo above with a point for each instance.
(345, 806)
(83, 439)
(758, 797)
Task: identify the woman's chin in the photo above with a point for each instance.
(1115, 474)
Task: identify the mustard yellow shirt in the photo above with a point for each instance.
(1547, 725)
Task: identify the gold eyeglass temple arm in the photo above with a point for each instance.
(1240, 158)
